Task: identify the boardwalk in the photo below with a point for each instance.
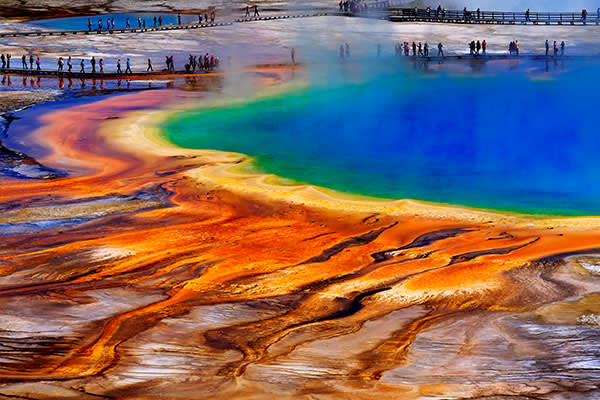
(399, 14)
(163, 28)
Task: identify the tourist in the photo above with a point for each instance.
(477, 47)
(199, 18)
(60, 64)
(38, 63)
(426, 49)
(440, 50)
(212, 17)
(24, 61)
(341, 6)
(472, 48)
(149, 69)
(547, 47)
(478, 13)
(527, 13)
(160, 20)
(406, 49)
(119, 66)
(517, 47)
(206, 61)
(414, 49)
(484, 47)
(293, 55)
(99, 24)
(155, 21)
(127, 24)
(101, 64)
(420, 47)
(112, 22)
(144, 24)
(555, 48)
(193, 61)
(31, 61)
(248, 10)
(178, 19)
(206, 17)
(256, 14)
(583, 15)
(167, 62)
(562, 48)
(140, 22)
(89, 25)
(69, 65)
(128, 69)
(82, 63)
(8, 56)
(93, 62)
(3, 59)
(107, 23)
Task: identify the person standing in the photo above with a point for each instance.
(440, 49)
(127, 24)
(101, 64)
(140, 22)
(248, 10)
(38, 63)
(562, 48)
(547, 47)
(555, 48)
(99, 24)
(517, 47)
(69, 65)
(60, 64)
(178, 19)
(128, 69)
(31, 61)
(93, 62)
(24, 61)
(143, 24)
(293, 54)
(82, 63)
(89, 24)
(477, 47)
(160, 20)
(414, 49)
(149, 69)
(341, 52)
(119, 66)
(8, 56)
(212, 17)
(155, 21)
(426, 49)
(484, 47)
(3, 59)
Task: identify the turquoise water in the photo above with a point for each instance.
(81, 22)
(504, 141)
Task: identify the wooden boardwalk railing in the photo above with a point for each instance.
(399, 14)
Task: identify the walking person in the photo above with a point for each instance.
(99, 24)
(472, 48)
(8, 56)
(101, 64)
(69, 65)
(160, 20)
(562, 48)
(31, 61)
(547, 47)
(517, 47)
(248, 10)
(127, 24)
(212, 17)
(484, 47)
(140, 22)
(414, 49)
(426, 49)
(60, 64)
(155, 21)
(477, 47)
(256, 14)
(440, 50)
(178, 19)
(149, 69)
(119, 66)
(89, 25)
(199, 18)
(38, 63)
(128, 69)
(24, 61)
(93, 62)
(82, 64)
(3, 59)
(555, 48)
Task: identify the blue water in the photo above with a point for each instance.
(503, 141)
(81, 22)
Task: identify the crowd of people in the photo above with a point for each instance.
(97, 66)
(478, 47)
(157, 21)
(360, 5)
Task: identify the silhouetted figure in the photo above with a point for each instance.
(555, 48)
(31, 61)
(440, 50)
(3, 59)
(178, 19)
(414, 49)
(24, 61)
(562, 48)
(69, 65)
(149, 69)
(101, 64)
(127, 24)
(60, 64)
(82, 64)
(256, 14)
(93, 62)
(547, 47)
(8, 57)
(248, 10)
(484, 47)
(128, 69)
(119, 66)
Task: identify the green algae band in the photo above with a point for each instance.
(503, 142)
